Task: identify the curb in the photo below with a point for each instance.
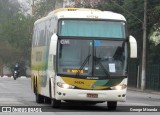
(144, 91)
(12, 77)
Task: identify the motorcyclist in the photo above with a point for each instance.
(16, 68)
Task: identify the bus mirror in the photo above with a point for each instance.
(53, 43)
(133, 47)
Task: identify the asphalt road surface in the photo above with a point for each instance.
(18, 93)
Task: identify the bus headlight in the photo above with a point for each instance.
(119, 87)
(65, 86)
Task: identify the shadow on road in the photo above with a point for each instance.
(70, 107)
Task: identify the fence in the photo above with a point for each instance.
(152, 76)
(132, 75)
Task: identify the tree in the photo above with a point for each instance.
(133, 11)
(42, 8)
(15, 34)
(154, 30)
(7, 10)
(18, 32)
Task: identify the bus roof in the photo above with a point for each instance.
(73, 9)
(83, 13)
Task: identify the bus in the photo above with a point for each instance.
(81, 55)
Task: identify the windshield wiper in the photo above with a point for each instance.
(101, 65)
(83, 64)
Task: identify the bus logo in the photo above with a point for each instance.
(6, 109)
(65, 42)
(79, 82)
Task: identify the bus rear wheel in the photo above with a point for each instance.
(112, 105)
(39, 98)
(55, 103)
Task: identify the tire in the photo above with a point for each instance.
(14, 78)
(112, 105)
(55, 103)
(47, 100)
(39, 98)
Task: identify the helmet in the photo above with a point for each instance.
(16, 65)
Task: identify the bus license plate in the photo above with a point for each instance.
(90, 95)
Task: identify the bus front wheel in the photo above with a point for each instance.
(112, 105)
(55, 103)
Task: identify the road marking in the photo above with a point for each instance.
(12, 77)
(9, 101)
(136, 104)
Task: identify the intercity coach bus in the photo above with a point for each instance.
(80, 55)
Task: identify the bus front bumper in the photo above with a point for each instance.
(90, 95)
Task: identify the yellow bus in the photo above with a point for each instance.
(80, 55)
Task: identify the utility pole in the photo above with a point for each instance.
(143, 74)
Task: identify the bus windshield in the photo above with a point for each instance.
(97, 58)
(92, 28)
(72, 54)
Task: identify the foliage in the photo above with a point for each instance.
(18, 32)
(154, 54)
(153, 13)
(8, 9)
(44, 7)
(133, 11)
(15, 34)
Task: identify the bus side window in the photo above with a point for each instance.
(38, 56)
(50, 57)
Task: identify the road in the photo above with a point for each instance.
(18, 93)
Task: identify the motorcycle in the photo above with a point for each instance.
(15, 74)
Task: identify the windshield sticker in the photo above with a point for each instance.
(65, 42)
(97, 42)
(86, 68)
(123, 23)
(90, 44)
(97, 67)
(112, 68)
(63, 23)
